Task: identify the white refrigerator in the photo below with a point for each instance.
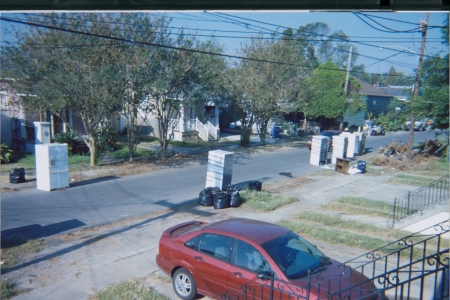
(52, 167)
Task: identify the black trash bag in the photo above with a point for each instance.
(205, 197)
(221, 200)
(17, 175)
(215, 190)
(235, 198)
(255, 185)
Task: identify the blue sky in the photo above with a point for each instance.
(387, 29)
(368, 40)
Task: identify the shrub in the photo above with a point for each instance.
(68, 138)
(6, 154)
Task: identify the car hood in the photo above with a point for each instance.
(338, 279)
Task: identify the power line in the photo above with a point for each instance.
(388, 29)
(400, 21)
(317, 34)
(247, 24)
(338, 49)
(167, 46)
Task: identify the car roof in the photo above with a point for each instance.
(254, 230)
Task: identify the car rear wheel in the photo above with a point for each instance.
(184, 284)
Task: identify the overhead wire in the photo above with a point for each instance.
(338, 38)
(230, 56)
(400, 21)
(338, 49)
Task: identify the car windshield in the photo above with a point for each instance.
(294, 255)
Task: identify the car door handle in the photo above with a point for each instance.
(238, 274)
(199, 258)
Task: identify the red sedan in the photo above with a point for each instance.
(221, 258)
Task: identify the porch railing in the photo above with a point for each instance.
(414, 267)
(416, 201)
(201, 129)
(213, 130)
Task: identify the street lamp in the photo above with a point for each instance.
(404, 48)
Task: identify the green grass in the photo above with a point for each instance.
(9, 290)
(128, 291)
(333, 236)
(123, 153)
(264, 201)
(199, 144)
(360, 206)
(27, 162)
(336, 222)
(13, 255)
(412, 180)
(351, 233)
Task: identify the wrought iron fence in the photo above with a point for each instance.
(414, 267)
(416, 201)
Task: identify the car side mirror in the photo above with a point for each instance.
(265, 275)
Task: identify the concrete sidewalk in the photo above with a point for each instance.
(77, 265)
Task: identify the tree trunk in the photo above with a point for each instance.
(93, 149)
(411, 136)
(262, 131)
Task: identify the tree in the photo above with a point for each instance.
(267, 89)
(72, 71)
(137, 63)
(433, 100)
(321, 46)
(359, 72)
(392, 77)
(323, 94)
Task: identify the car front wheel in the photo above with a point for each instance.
(184, 284)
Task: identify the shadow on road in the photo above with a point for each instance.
(189, 205)
(91, 181)
(20, 235)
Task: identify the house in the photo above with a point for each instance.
(197, 123)
(402, 93)
(192, 124)
(17, 123)
(377, 102)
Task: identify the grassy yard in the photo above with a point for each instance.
(12, 256)
(264, 201)
(128, 291)
(9, 290)
(413, 179)
(360, 206)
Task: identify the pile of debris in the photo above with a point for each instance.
(429, 148)
(394, 155)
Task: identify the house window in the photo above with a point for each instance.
(4, 100)
(374, 102)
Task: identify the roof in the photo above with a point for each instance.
(370, 90)
(257, 231)
(401, 92)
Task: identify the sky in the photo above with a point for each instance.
(382, 39)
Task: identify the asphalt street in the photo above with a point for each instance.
(41, 213)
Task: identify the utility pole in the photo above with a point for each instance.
(422, 28)
(347, 79)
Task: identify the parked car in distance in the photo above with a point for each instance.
(236, 125)
(329, 134)
(378, 130)
(419, 125)
(220, 258)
